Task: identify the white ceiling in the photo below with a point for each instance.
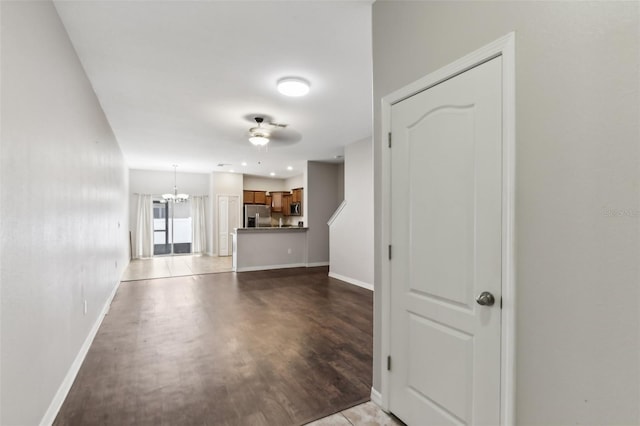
(180, 80)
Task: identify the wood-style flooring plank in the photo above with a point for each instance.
(276, 347)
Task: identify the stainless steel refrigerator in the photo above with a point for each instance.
(257, 215)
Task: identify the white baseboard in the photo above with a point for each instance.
(314, 264)
(268, 267)
(376, 398)
(351, 281)
(66, 384)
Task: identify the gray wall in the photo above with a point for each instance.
(322, 200)
(351, 234)
(340, 190)
(577, 72)
(63, 208)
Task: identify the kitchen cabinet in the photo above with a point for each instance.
(280, 201)
(296, 195)
(259, 197)
(276, 201)
(286, 202)
(254, 197)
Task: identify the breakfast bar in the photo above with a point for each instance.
(262, 248)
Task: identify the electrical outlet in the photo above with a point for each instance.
(288, 251)
(85, 307)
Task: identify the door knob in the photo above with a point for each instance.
(486, 299)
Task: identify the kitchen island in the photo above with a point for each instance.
(257, 249)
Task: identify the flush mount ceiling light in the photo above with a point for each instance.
(293, 86)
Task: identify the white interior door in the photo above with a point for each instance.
(446, 195)
(223, 226)
(227, 220)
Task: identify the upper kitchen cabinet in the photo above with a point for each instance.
(276, 201)
(254, 197)
(287, 199)
(259, 197)
(296, 195)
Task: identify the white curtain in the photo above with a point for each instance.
(199, 224)
(144, 227)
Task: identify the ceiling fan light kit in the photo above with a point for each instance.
(259, 136)
(293, 86)
(259, 140)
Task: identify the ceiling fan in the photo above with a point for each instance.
(262, 133)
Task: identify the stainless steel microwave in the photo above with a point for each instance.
(295, 209)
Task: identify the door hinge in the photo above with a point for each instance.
(389, 139)
(389, 251)
(389, 363)
(501, 302)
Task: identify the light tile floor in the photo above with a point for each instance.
(367, 414)
(175, 266)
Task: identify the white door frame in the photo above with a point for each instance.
(505, 47)
(219, 228)
(216, 237)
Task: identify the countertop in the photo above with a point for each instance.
(272, 228)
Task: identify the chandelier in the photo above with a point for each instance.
(175, 197)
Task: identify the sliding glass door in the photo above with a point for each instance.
(172, 230)
(181, 227)
(161, 235)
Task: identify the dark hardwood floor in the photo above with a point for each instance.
(258, 348)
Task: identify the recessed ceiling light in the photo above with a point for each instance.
(272, 173)
(293, 86)
(232, 171)
(244, 163)
(289, 168)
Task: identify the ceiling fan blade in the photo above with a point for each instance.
(285, 137)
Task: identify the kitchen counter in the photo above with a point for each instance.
(272, 228)
(262, 248)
